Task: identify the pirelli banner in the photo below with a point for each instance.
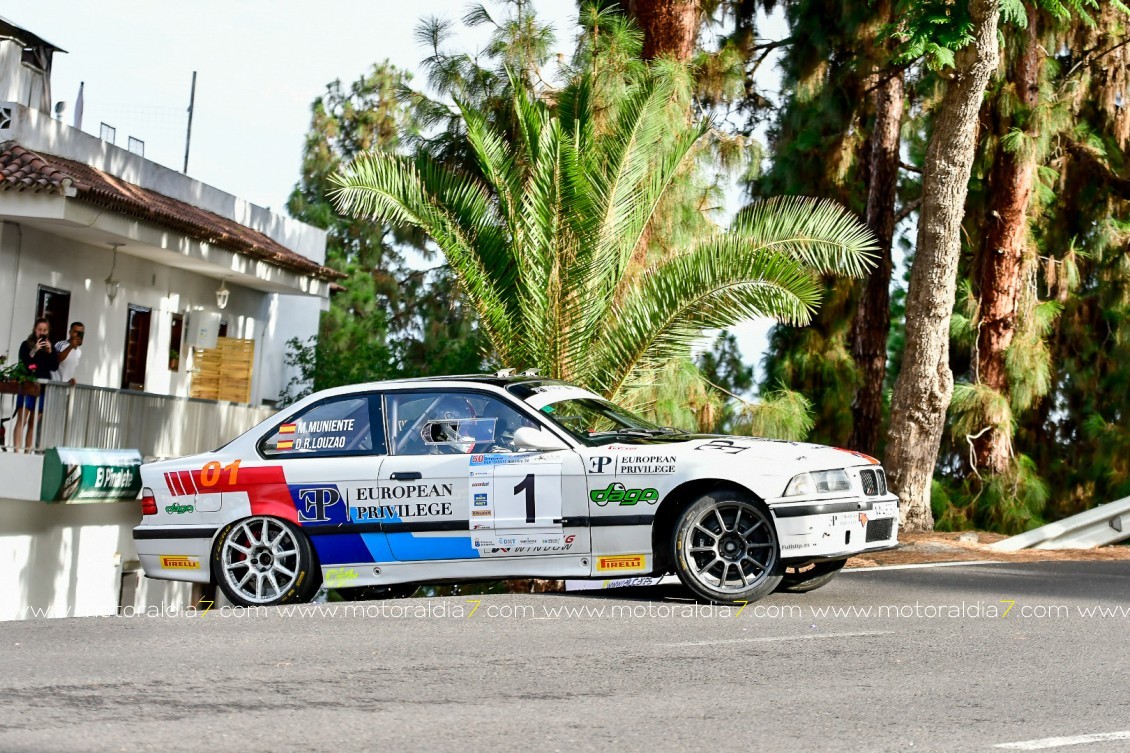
(73, 474)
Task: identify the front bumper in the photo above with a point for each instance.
(836, 528)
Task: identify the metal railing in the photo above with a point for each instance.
(159, 426)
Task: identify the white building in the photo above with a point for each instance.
(137, 252)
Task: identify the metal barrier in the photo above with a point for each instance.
(160, 426)
(1099, 526)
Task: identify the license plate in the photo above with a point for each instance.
(883, 509)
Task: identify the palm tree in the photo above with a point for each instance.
(542, 238)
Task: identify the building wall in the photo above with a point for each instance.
(37, 131)
(30, 257)
(69, 560)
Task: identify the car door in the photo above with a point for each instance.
(326, 455)
(457, 485)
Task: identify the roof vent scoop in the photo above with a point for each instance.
(504, 372)
(530, 372)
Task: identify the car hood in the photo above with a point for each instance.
(763, 464)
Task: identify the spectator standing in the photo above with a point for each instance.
(37, 355)
(69, 353)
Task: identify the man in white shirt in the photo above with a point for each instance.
(70, 353)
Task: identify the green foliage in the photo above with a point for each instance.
(542, 242)
(677, 395)
(15, 372)
(780, 413)
(976, 407)
(1012, 502)
(388, 320)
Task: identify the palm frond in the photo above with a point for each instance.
(821, 233)
(717, 285)
(451, 208)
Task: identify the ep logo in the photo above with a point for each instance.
(596, 464)
(315, 501)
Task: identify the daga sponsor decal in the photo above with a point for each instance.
(179, 509)
(615, 492)
(179, 562)
(620, 563)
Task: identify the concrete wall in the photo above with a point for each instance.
(68, 561)
(18, 82)
(30, 257)
(37, 131)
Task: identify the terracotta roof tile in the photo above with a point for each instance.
(24, 170)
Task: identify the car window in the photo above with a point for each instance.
(447, 423)
(337, 426)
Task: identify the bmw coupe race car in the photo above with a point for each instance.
(372, 489)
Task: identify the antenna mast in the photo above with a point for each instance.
(188, 136)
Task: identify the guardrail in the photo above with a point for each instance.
(159, 426)
(1099, 526)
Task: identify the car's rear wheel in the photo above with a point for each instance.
(726, 548)
(263, 561)
(375, 593)
(799, 580)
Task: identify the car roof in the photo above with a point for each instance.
(488, 379)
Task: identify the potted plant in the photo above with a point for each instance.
(15, 379)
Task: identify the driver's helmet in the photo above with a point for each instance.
(441, 424)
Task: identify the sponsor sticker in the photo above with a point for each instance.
(315, 500)
(645, 465)
(617, 494)
(481, 500)
(481, 513)
(620, 563)
(179, 509)
(179, 562)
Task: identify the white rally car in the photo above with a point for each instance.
(373, 488)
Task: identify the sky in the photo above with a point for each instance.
(259, 64)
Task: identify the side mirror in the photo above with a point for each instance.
(540, 440)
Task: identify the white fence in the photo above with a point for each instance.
(159, 426)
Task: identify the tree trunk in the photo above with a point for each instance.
(670, 27)
(873, 316)
(1111, 70)
(1001, 265)
(925, 382)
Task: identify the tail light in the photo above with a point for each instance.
(148, 502)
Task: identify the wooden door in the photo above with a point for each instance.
(136, 348)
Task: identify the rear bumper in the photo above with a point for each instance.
(835, 529)
(175, 553)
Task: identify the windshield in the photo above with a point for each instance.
(588, 417)
(595, 421)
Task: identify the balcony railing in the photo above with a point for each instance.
(159, 426)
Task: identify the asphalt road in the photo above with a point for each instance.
(938, 670)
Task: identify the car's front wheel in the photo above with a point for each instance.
(263, 561)
(726, 548)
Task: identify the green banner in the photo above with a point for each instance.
(73, 474)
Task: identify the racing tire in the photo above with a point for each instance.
(726, 548)
(377, 593)
(263, 561)
(800, 581)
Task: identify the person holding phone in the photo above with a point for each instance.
(69, 352)
(37, 355)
